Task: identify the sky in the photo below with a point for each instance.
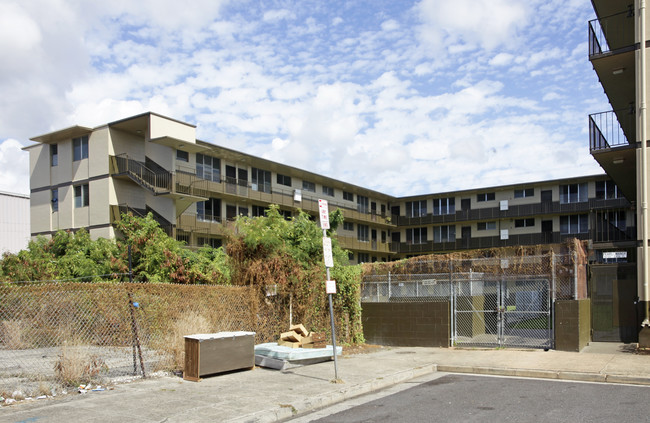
(403, 97)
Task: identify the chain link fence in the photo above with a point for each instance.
(494, 301)
(71, 333)
(432, 280)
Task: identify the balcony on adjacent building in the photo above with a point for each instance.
(612, 143)
(611, 34)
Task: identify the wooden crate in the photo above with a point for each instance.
(207, 354)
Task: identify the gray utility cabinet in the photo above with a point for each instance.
(206, 354)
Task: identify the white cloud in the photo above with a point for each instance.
(501, 59)
(478, 23)
(278, 15)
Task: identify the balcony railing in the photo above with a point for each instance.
(611, 33)
(606, 131)
(156, 182)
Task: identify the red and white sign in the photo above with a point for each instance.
(324, 214)
(330, 287)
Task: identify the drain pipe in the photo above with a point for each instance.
(644, 159)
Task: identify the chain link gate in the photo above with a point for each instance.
(502, 311)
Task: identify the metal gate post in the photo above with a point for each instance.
(452, 311)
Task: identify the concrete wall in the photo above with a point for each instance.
(572, 324)
(407, 324)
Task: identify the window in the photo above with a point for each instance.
(259, 211)
(261, 180)
(308, 186)
(362, 233)
(607, 190)
(574, 224)
(80, 148)
(208, 167)
(231, 212)
(328, 191)
(209, 242)
(362, 204)
(285, 213)
(364, 258)
(524, 193)
(348, 196)
(81, 196)
(243, 211)
(486, 226)
(283, 180)
(182, 156)
(383, 237)
(55, 200)
(54, 155)
(444, 233)
(444, 206)
(416, 208)
(348, 226)
(209, 210)
(524, 223)
(416, 235)
(485, 196)
(573, 193)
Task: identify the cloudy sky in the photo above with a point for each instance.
(404, 97)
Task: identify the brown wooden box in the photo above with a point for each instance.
(207, 354)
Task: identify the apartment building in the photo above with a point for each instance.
(618, 138)
(84, 177)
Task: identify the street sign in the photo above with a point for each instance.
(330, 287)
(324, 214)
(327, 252)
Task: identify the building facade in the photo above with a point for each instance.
(85, 177)
(618, 137)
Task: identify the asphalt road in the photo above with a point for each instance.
(473, 398)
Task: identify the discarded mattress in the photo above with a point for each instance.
(279, 357)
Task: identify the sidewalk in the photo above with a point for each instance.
(264, 395)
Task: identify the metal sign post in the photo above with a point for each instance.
(330, 285)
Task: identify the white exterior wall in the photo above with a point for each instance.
(14, 222)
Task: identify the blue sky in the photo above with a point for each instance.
(404, 97)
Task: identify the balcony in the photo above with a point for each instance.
(430, 247)
(514, 211)
(611, 129)
(612, 53)
(611, 34)
(612, 143)
(352, 243)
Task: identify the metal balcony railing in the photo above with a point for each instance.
(611, 33)
(156, 182)
(606, 131)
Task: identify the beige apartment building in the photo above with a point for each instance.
(86, 177)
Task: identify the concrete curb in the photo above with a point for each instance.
(285, 411)
(547, 374)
